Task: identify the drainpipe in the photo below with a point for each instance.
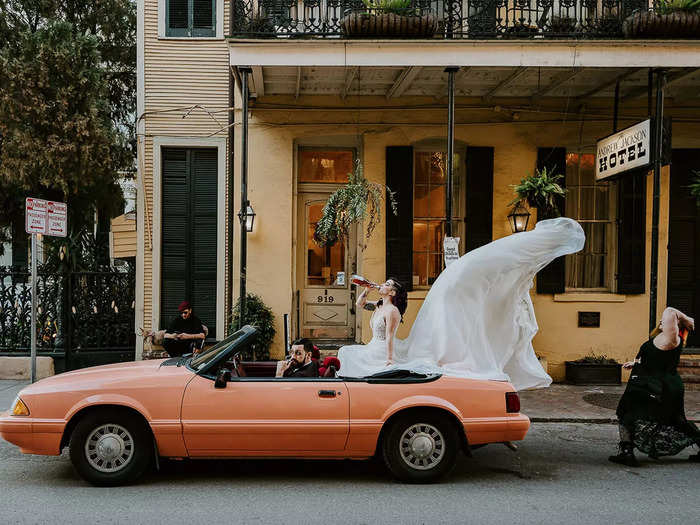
(450, 145)
(658, 148)
(245, 71)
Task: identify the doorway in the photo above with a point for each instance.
(684, 239)
(325, 298)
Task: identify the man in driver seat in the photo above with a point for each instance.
(300, 364)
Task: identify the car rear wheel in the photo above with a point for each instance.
(420, 447)
(111, 447)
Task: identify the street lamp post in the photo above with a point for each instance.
(245, 71)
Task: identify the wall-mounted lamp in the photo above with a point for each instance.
(248, 216)
(518, 218)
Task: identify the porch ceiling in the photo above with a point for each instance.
(485, 83)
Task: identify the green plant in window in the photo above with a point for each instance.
(540, 191)
(359, 200)
(259, 315)
(695, 186)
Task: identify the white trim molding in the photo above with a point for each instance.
(484, 53)
(219, 24)
(191, 142)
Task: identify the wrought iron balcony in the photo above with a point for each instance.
(440, 19)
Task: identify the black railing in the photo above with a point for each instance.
(432, 19)
(83, 318)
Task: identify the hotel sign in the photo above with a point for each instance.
(623, 151)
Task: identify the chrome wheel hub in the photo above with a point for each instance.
(109, 448)
(422, 446)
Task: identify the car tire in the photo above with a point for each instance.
(420, 447)
(111, 447)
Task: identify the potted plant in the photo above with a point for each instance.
(389, 18)
(357, 201)
(594, 370)
(669, 19)
(259, 315)
(540, 191)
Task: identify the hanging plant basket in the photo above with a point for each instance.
(647, 24)
(361, 23)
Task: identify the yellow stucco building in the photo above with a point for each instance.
(318, 105)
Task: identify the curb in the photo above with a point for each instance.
(596, 421)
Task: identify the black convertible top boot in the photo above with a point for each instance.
(625, 455)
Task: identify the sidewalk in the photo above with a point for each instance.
(585, 404)
(558, 403)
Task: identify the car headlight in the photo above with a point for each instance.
(19, 408)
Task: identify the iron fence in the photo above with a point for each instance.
(83, 318)
(452, 18)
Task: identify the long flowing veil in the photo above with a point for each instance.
(478, 320)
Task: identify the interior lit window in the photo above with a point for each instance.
(430, 215)
(593, 205)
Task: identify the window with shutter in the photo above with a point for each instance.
(188, 233)
(191, 18)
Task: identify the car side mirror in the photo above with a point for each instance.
(223, 377)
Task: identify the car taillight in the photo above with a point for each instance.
(512, 402)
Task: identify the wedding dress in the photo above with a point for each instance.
(477, 320)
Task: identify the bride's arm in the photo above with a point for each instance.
(362, 301)
(391, 323)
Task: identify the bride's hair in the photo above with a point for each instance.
(400, 300)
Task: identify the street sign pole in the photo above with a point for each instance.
(33, 328)
(46, 218)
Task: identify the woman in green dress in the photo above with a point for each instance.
(651, 412)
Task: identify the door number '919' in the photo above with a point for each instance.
(325, 299)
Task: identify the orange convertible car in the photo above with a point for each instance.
(118, 419)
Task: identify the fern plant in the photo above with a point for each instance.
(540, 191)
(359, 200)
(388, 6)
(666, 7)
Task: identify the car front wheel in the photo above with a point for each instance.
(111, 447)
(420, 447)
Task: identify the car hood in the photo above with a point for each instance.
(103, 375)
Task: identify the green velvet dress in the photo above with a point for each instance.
(652, 407)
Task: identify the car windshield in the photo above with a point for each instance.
(210, 354)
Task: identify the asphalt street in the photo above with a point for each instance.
(559, 475)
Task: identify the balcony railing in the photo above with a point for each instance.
(441, 19)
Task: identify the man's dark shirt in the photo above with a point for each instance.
(310, 369)
(191, 325)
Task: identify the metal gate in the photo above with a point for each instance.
(83, 318)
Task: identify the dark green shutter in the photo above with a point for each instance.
(188, 233)
(631, 241)
(479, 198)
(399, 228)
(204, 218)
(552, 278)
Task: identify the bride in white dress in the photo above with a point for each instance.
(359, 360)
(477, 320)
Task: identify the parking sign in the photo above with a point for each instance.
(46, 217)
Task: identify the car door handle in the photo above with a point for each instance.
(326, 393)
